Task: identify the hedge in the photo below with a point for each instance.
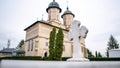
(22, 58)
(104, 59)
(47, 59)
(30, 58)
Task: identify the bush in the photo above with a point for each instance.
(104, 59)
(22, 58)
(65, 58)
(47, 59)
(31, 58)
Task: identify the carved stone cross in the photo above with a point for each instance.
(74, 35)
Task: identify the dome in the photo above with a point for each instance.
(53, 5)
(67, 12)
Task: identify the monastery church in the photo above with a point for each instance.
(37, 34)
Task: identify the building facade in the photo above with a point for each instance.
(9, 52)
(6, 52)
(37, 34)
(114, 53)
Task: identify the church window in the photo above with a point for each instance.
(47, 43)
(36, 50)
(31, 45)
(63, 47)
(36, 44)
(28, 45)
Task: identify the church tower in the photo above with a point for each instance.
(68, 18)
(37, 34)
(8, 44)
(53, 11)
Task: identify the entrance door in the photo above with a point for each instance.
(45, 54)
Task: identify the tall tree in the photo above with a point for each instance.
(52, 44)
(56, 44)
(59, 44)
(20, 44)
(112, 44)
(96, 54)
(99, 55)
(89, 53)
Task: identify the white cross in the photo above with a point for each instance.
(74, 34)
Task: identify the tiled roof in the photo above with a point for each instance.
(7, 50)
(42, 22)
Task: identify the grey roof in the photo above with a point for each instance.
(67, 12)
(53, 5)
(42, 22)
(7, 50)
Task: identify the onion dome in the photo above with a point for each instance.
(53, 5)
(67, 12)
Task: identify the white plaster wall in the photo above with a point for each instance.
(114, 53)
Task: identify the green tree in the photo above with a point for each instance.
(98, 54)
(52, 44)
(20, 44)
(90, 55)
(59, 44)
(112, 44)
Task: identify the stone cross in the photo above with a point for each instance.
(74, 34)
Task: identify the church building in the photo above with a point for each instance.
(37, 34)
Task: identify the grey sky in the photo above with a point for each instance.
(101, 17)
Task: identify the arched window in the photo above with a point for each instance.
(47, 43)
(63, 47)
(31, 45)
(28, 45)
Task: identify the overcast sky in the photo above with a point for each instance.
(101, 17)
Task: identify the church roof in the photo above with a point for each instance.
(53, 5)
(34, 24)
(7, 50)
(42, 22)
(67, 12)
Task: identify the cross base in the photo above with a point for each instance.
(77, 59)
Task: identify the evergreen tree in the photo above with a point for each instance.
(90, 55)
(20, 44)
(56, 44)
(99, 55)
(96, 54)
(112, 44)
(59, 44)
(52, 44)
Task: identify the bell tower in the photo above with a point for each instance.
(68, 18)
(53, 11)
